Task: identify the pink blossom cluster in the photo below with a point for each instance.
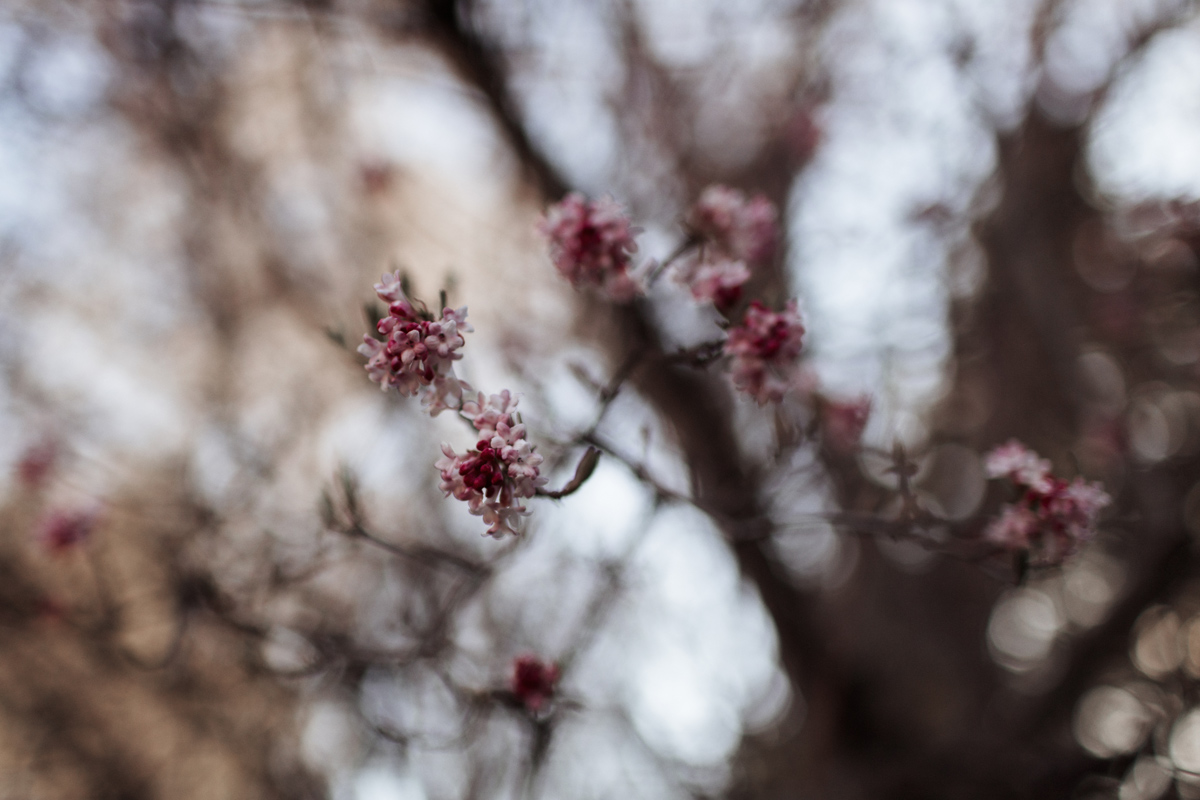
(500, 471)
(735, 232)
(418, 352)
(764, 350)
(534, 682)
(592, 245)
(739, 228)
(1053, 517)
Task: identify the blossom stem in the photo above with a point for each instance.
(639, 471)
(583, 471)
(609, 393)
(428, 556)
(687, 244)
(700, 355)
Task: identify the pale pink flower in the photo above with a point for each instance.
(390, 288)
(499, 472)
(1071, 509)
(64, 530)
(36, 464)
(1087, 499)
(743, 229)
(764, 350)
(487, 414)
(1015, 460)
(50, 610)
(534, 682)
(444, 393)
(418, 352)
(718, 280)
(843, 422)
(592, 244)
(1013, 529)
(1053, 516)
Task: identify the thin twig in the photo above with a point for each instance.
(583, 471)
(687, 244)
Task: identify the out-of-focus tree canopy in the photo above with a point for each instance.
(228, 570)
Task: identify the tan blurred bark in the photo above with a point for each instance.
(124, 676)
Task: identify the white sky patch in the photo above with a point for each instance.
(67, 76)
(1080, 54)
(386, 451)
(1000, 54)
(676, 711)
(125, 406)
(27, 196)
(603, 516)
(571, 403)
(569, 71)
(689, 33)
(1146, 139)
(11, 38)
(635, 429)
(708, 649)
(616, 766)
(424, 123)
(385, 782)
(904, 132)
(1091, 35)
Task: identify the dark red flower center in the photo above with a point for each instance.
(484, 471)
(770, 342)
(533, 681)
(727, 296)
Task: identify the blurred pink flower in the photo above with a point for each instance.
(718, 281)
(534, 681)
(36, 464)
(418, 353)
(740, 228)
(499, 472)
(64, 530)
(1053, 517)
(49, 610)
(764, 350)
(487, 414)
(843, 422)
(591, 245)
(1013, 529)
(1014, 460)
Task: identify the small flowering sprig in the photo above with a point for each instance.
(734, 233)
(418, 352)
(592, 245)
(764, 351)
(417, 357)
(500, 471)
(534, 682)
(1053, 516)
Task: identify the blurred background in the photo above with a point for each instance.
(226, 569)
